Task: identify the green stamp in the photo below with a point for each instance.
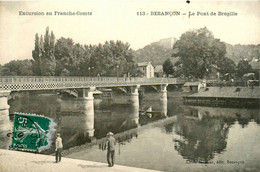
(32, 132)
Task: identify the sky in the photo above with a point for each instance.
(118, 20)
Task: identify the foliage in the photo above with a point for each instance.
(69, 56)
(178, 69)
(17, 68)
(200, 140)
(158, 52)
(243, 67)
(199, 52)
(226, 66)
(168, 67)
(43, 54)
(112, 59)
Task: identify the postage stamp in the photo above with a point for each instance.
(32, 132)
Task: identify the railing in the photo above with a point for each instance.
(60, 82)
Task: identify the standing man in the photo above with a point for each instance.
(110, 143)
(58, 144)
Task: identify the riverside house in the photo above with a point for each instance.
(147, 68)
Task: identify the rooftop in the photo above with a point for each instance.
(142, 64)
(229, 92)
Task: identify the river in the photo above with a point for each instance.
(176, 138)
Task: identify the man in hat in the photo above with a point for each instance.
(58, 149)
(110, 144)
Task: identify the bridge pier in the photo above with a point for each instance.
(134, 96)
(134, 115)
(163, 103)
(134, 99)
(85, 106)
(4, 100)
(163, 99)
(5, 124)
(163, 91)
(88, 107)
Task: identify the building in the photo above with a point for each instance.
(193, 87)
(166, 43)
(147, 68)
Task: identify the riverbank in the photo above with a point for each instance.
(225, 96)
(11, 161)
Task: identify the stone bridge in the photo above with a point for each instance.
(52, 83)
(88, 86)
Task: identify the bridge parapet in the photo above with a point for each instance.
(59, 82)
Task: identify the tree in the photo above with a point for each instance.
(81, 56)
(108, 59)
(43, 54)
(226, 66)
(168, 67)
(17, 68)
(48, 67)
(201, 139)
(64, 56)
(243, 67)
(112, 58)
(72, 59)
(37, 55)
(199, 52)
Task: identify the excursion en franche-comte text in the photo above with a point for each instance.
(138, 13)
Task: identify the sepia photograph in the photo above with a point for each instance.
(130, 86)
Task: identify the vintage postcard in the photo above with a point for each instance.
(131, 85)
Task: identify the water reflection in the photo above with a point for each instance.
(78, 114)
(200, 139)
(163, 104)
(74, 116)
(159, 110)
(116, 119)
(202, 131)
(5, 127)
(198, 134)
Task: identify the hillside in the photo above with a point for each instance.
(237, 52)
(159, 51)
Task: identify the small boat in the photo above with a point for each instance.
(149, 112)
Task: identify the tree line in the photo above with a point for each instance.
(63, 57)
(200, 55)
(197, 54)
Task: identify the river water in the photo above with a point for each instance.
(175, 138)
